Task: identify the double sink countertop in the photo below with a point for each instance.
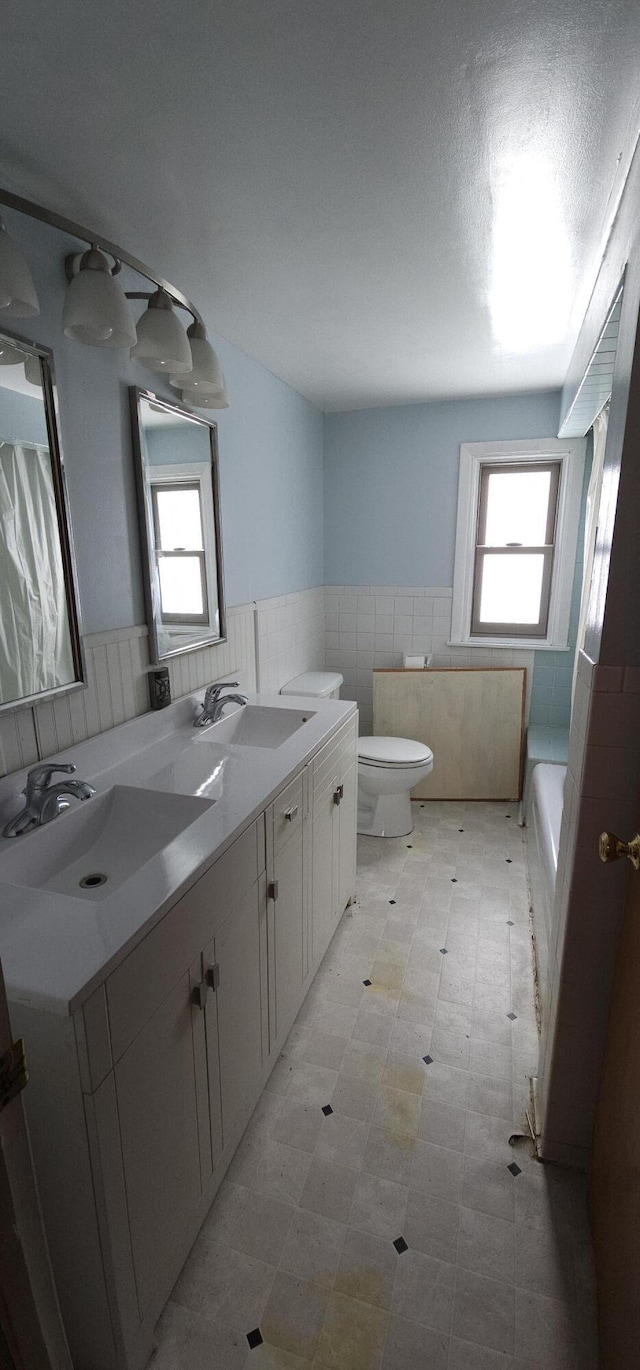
(170, 799)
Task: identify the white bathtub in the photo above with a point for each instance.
(544, 817)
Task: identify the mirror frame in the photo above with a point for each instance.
(157, 655)
(52, 418)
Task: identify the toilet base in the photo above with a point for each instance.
(384, 815)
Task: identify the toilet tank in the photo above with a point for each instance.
(316, 684)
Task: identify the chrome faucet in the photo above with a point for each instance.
(45, 801)
(214, 703)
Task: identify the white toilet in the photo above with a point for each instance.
(388, 769)
(315, 684)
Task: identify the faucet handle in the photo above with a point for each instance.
(212, 691)
(39, 776)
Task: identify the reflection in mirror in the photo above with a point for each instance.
(178, 494)
(40, 650)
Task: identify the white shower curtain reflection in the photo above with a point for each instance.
(35, 644)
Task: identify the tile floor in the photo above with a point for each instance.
(375, 1216)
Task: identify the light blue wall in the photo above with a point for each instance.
(391, 483)
(270, 443)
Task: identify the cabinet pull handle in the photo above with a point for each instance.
(212, 976)
(291, 813)
(339, 794)
(272, 890)
(199, 995)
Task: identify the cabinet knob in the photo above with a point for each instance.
(338, 794)
(199, 995)
(291, 813)
(212, 976)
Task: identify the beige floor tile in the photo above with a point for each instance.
(342, 1140)
(484, 1311)
(441, 1124)
(398, 1111)
(437, 1171)
(489, 1188)
(237, 1288)
(298, 1124)
(389, 1153)
(329, 1189)
(379, 1206)
(424, 1290)
(403, 1072)
(487, 1245)
(356, 1098)
(410, 1346)
(215, 1346)
(488, 1138)
(312, 1248)
(367, 1268)
(294, 1315)
(353, 1335)
(431, 1226)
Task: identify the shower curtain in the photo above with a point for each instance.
(35, 644)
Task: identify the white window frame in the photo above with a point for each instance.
(192, 473)
(570, 452)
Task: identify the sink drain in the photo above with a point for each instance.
(90, 882)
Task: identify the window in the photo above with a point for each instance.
(179, 546)
(181, 521)
(518, 514)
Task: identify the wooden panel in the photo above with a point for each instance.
(139, 985)
(473, 721)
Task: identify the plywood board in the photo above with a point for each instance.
(473, 721)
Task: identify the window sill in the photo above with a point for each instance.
(510, 644)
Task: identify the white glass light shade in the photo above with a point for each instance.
(9, 355)
(162, 342)
(96, 309)
(199, 401)
(18, 299)
(205, 375)
(33, 371)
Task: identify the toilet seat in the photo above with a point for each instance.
(393, 753)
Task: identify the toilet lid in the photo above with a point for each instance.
(393, 751)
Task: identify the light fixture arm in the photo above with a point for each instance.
(182, 304)
(95, 240)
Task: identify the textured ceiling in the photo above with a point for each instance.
(383, 202)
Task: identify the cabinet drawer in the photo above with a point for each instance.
(288, 812)
(142, 982)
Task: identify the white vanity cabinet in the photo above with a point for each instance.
(333, 781)
(138, 1100)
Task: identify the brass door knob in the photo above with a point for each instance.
(611, 848)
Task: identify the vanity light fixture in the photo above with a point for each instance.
(33, 371)
(96, 310)
(162, 343)
(197, 400)
(18, 298)
(205, 375)
(10, 356)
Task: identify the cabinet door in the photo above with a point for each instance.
(347, 836)
(157, 1094)
(324, 872)
(234, 1014)
(287, 934)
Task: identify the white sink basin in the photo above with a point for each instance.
(255, 725)
(93, 848)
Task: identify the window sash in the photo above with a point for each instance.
(501, 629)
(185, 554)
(482, 628)
(515, 468)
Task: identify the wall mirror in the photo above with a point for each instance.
(40, 644)
(177, 474)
